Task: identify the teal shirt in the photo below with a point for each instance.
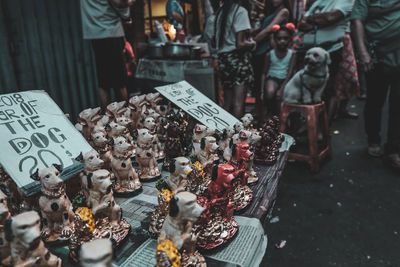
(381, 20)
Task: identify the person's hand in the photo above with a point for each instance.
(304, 25)
(366, 62)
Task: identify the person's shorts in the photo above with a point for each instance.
(110, 63)
(277, 80)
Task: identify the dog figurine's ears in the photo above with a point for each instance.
(35, 175)
(89, 180)
(134, 134)
(111, 142)
(8, 231)
(203, 143)
(107, 127)
(172, 167)
(217, 135)
(79, 157)
(328, 58)
(224, 134)
(173, 207)
(231, 143)
(58, 167)
(214, 174)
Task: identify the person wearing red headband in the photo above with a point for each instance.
(278, 68)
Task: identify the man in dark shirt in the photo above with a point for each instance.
(376, 30)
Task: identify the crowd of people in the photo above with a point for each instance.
(259, 46)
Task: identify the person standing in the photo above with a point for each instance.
(102, 24)
(176, 15)
(376, 30)
(232, 27)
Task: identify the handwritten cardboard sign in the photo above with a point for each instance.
(35, 134)
(197, 105)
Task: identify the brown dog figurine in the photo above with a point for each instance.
(91, 162)
(127, 180)
(55, 206)
(100, 144)
(96, 253)
(200, 131)
(88, 119)
(27, 249)
(148, 168)
(116, 109)
(150, 124)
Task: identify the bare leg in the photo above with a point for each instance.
(104, 97)
(123, 94)
(239, 92)
(269, 96)
(228, 99)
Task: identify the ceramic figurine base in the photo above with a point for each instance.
(117, 232)
(241, 197)
(215, 232)
(195, 259)
(127, 193)
(198, 181)
(253, 179)
(150, 179)
(157, 219)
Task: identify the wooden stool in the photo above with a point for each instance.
(312, 114)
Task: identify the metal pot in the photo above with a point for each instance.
(196, 53)
(177, 51)
(155, 51)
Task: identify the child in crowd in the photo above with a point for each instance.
(278, 68)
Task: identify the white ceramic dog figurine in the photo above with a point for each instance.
(183, 212)
(87, 120)
(308, 84)
(208, 149)
(145, 156)
(226, 137)
(96, 253)
(91, 162)
(200, 131)
(179, 169)
(4, 215)
(54, 204)
(100, 144)
(115, 109)
(27, 248)
(127, 180)
(101, 198)
(150, 124)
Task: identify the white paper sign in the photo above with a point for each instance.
(197, 105)
(160, 70)
(35, 134)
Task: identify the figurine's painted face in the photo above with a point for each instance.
(188, 207)
(225, 175)
(123, 121)
(182, 166)
(121, 145)
(115, 129)
(97, 253)
(149, 123)
(89, 116)
(243, 151)
(116, 108)
(50, 178)
(211, 144)
(92, 161)
(99, 138)
(26, 228)
(144, 136)
(101, 181)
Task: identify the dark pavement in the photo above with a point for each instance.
(346, 215)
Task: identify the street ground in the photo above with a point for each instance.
(346, 215)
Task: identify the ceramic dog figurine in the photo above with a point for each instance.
(200, 131)
(238, 126)
(115, 109)
(114, 129)
(91, 162)
(27, 249)
(150, 124)
(148, 168)
(4, 215)
(136, 109)
(247, 121)
(179, 169)
(173, 144)
(127, 181)
(226, 137)
(252, 138)
(88, 119)
(217, 224)
(100, 144)
(96, 253)
(267, 151)
(101, 199)
(208, 151)
(55, 206)
(308, 84)
(184, 211)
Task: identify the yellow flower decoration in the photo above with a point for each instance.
(86, 215)
(167, 194)
(170, 249)
(200, 169)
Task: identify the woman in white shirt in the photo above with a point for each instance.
(231, 28)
